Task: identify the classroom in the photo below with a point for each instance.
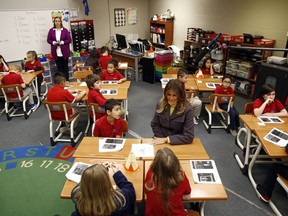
(251, 45)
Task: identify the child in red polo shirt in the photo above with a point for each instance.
(14, 78)
(94, 94)
(112, 73)
(225, 88)
(32, 65)
(3, 65)
(267, 104)
(104, 57)
(207, 67)
(58, 94)
(110, 125)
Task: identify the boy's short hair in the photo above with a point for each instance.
(182, 73)
(114, 62)
(103, 49)
(15, 68)
(58, 78)
(110, 104)
(91, 79)
(226, 77)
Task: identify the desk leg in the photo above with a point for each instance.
(136, 69)
(88, 119)
(35, 88)
(202, 205)
(252, 162)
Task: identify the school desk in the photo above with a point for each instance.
(135, 177)
(272, 150)
(125, 84)
(89, 148)
(131, 59)
(251, 124)
(202, 87)
(190, 84)
(199, 192)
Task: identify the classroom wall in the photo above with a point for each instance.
(99, 13)
(263, 17)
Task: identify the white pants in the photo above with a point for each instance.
(28, 91)
(196, 104)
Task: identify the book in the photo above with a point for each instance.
(271, 119)
(111, 144)
(75, 173)
(277, 137)
(205, 171)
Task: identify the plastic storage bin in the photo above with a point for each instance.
(231, 71)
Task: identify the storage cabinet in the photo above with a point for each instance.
(161, 33)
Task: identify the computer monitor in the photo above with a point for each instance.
(121, 41)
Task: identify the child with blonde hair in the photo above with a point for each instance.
(166, 185)
(95, 195)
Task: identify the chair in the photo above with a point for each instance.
(82, 75)
(173, 70)
(68, 120)
(212, 108)
(190, 93)
(11, 112)
(95, 108)
(43, 96)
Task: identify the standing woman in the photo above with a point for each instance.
(59, 38)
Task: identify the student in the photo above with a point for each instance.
(104, 57)
(110, 125)
(267, 104)
(93, 60)
(15, 78)
(58, 94)
(266, 188)
(112, 73)
(195, 102)
(94, 94)
(32, 65)
(226, 88)
(207, 67)
(3, 65)
(173, 119)
(166, 185)
(95, 195)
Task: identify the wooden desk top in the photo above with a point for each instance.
(252, 122)
(199, 192)
(121, 95)
(27, 77)
(201, 84)
(136, 177)
(191, 84)
(89, 148)
(125, 84)
(271, 149)
(128, 54)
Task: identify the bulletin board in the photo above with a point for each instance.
(22, 31)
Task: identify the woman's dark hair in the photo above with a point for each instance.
(93, 60)
(1, 57)
(54, 21)
(266, 89)
(205, 60)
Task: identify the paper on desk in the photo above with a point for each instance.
(277, 137)
(109, 91)
(111, 144)
(83, 84)
(143, 150)
(205, 171)
(270, 119)
(74, 174)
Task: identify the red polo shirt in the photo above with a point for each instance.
(221, 90)
(103, 128)
(58, 94)
(103, 60)
(11, 79)
(35, 66)
(116, 75)
(95, 96)
(273, 107)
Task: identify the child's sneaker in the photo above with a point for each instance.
(263, 195)
(233, 132)
(32, 106)
(196, 122)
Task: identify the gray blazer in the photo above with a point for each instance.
(180, 129)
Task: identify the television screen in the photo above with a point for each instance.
(121, 41)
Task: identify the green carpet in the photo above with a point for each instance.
(32, 185)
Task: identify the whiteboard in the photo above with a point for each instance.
(22, 31)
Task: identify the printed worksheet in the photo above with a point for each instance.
(143, 150)
(271, 119)
(212, 85)
(111, 144)
(277, 137)
(205, 171)
(83, 84)
(110, 82)
(109, 91)
(74, 174)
